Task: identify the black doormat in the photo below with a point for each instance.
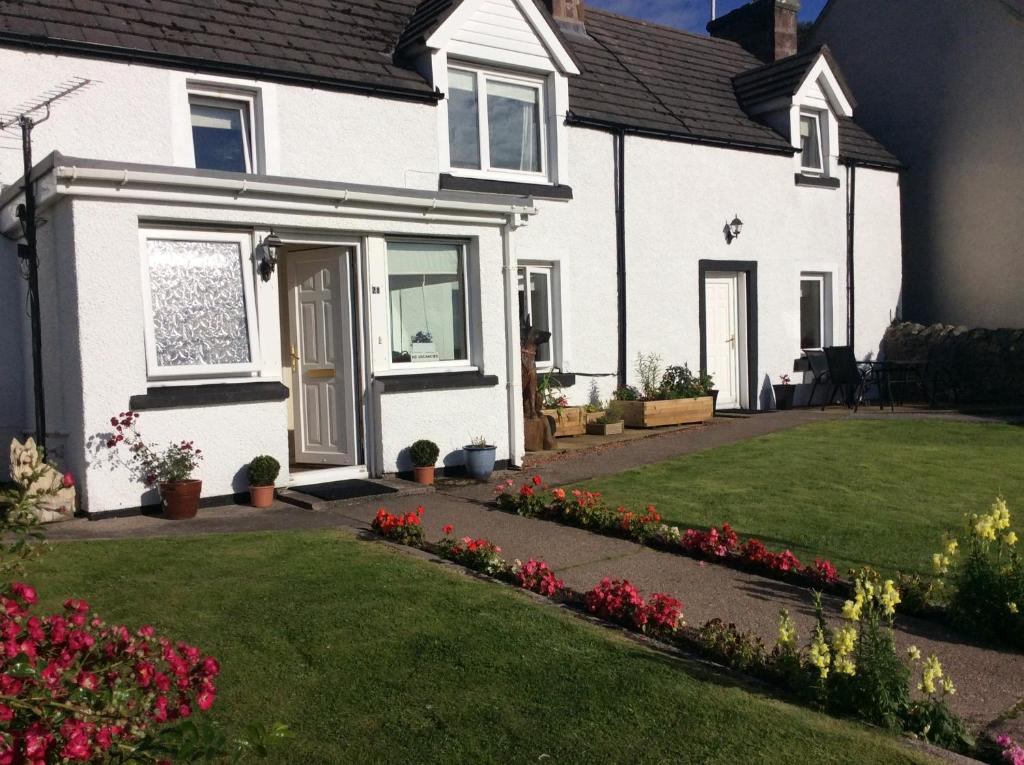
(351, 489)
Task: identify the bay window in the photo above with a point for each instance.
(199, 305)
(428, 303)
(496, 123)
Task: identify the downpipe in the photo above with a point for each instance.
(513, 364)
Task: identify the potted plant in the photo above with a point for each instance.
(565, 420)
(480, 458)
(608, 424)
(423, 347)
(263, 472)
(424, 455)
(169, 469)
(676, 397)
(784, 393)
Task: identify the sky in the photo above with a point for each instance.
(691, 15)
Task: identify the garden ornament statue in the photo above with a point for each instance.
(54, 492)
(537, 429)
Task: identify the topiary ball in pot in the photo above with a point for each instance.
(263, 471)
(424, 455)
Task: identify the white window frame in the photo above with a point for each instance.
(483, 75)
(213, 372)
(246, 102)
(822, 147)
(824, 281)
(397, 367)
(526, 269)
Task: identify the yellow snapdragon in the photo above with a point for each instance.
(889, 598)
(914, 653)
(819, 654)
(787, 630)
(1012, 608)
(1010, 538)
(843, 643)
(930, 672)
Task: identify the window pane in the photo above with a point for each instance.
(810, 143)
(217, 135)
(426, 288)
(463, 120)
(513, 122)
(539, 309)
(810, 313)
(198, 302)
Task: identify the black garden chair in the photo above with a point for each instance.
(819, 371)
(846, 375)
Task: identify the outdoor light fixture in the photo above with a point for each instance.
(270, 245)
(733, 229)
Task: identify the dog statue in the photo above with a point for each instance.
(53, 492)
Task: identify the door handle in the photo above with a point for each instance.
(295, 360)
(731, 339)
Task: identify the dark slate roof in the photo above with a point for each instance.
(329, 43)
(857, 147)
(782, 78)
(662, 80)
(639, 76)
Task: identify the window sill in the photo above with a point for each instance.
(449, 182)
(186, 396)
(817, 181)
(424, 381)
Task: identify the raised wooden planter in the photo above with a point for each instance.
(567, 421)
(652, 414)
(604, 428)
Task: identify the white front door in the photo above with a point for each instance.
(323, 363)
(722, 338)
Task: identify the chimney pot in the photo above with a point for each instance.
(765, 28)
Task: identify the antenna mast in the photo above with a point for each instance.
(26, 116)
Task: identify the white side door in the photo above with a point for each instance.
(721, 301)
(323, 363)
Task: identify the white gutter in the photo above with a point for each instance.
(72, 179)
(513, 362)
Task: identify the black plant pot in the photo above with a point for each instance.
(714, 399)
(784, 396)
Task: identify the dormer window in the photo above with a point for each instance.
(811, 154)
(496, 124)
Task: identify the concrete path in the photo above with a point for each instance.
(989, 682)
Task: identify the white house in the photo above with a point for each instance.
(431, 170)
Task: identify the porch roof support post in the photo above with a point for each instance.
(513, 363)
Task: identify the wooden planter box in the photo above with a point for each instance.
(604, 428)
(652, 414)
(567, 421)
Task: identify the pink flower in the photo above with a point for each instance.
(205, 700)
(68, 480)
(558, 494)
(25, 592)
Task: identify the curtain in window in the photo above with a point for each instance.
(198, 303)
(426, 289)
(513, 117)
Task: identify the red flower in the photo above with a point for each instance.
(205, 700)
(447, 529)
(25, 592)
(537, 480)
(68, 480)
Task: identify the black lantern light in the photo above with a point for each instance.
(733, 229)
(268, 262)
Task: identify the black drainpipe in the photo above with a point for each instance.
(619, 147)
(851, 202)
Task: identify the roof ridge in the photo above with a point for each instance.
(666, 27)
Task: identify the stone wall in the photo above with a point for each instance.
(979, 365)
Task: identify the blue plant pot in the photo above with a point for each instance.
(480, 461)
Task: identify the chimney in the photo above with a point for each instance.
(568, 14)
(765, 28)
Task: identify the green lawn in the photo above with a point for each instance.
(372, 656)
(857, 491)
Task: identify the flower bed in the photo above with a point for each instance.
(853, 671)
(586, 510)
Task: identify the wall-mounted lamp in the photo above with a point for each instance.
(268, 262)
(732, 229)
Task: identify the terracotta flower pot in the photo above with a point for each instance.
(180, 499)
(261, 496)
(423, 475)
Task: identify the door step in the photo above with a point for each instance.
(341, 492)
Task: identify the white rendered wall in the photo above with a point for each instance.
(139, 114)
(110, 334)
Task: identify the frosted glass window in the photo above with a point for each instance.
(810, 142)
(463, 120)
(220, 135)
(198, 304)
(427, 294)
(513, 119)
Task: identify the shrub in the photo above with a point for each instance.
(743, 651)
(263, 470)
(175, 462)
(424, 453)
(626, 393)
(404, 529)
(648, 374)
(982, 576)
(680, 382)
